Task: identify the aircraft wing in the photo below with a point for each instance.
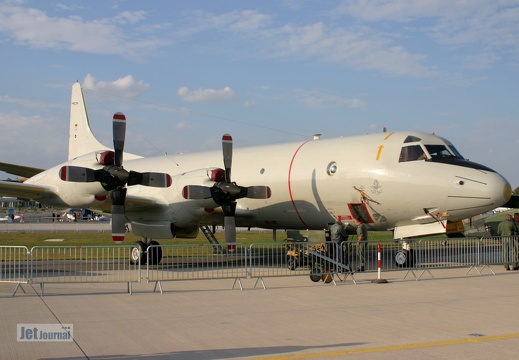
(23, 171)
(49, 193)
(137, 204)
(27, 191)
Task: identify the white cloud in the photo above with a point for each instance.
(350, 47)
(205, 95)
(126, 86)
(487, 25)
(482, 60)
(249, 103)
(15, 121)
(34, 28)
(322, 99)
(29, 104)
(407, 10)
(23, 140)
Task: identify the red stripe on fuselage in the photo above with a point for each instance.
(290, 184)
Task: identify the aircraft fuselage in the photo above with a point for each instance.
(371, 177)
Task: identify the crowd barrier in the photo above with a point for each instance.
(197, 262)
(15, 265)
(55, 227)
(325, 262)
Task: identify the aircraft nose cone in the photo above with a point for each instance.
(507, 192)
(476, 192)
(499, 189)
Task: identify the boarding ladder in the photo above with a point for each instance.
(212, 239)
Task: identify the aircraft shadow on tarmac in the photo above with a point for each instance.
(223, 353)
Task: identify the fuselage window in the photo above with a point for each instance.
(331, 169)
(412, 153)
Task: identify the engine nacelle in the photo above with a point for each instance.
(163, 230)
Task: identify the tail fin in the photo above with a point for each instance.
(81, 139)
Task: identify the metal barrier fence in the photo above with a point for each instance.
(197, 262)
(323, 261)
(55, 227)
(83, 264)
(14, 262)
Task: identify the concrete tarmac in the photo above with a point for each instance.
(453, 316)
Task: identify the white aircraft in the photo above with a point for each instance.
(8, 218)
(411, 182)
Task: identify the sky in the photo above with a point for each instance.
(187, 72)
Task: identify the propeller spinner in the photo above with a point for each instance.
(225, 193)
(114, 178)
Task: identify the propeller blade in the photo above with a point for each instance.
(153, 179)
(229, 223)
(77, 174)
(196, 192)
(119, 134)
(118, 197)
(227, 155)
(258, 192)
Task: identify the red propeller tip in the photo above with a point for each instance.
(118, 238)
(119, 116)
(227, 137)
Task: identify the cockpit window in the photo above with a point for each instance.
(455, 151)
(412, 153)
(439, 151)
(411, 138)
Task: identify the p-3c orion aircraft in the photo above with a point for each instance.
(411, 182)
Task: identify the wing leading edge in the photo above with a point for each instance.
(24, 171)
(28, 191)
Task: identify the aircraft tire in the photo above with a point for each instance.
(137, 255)
(155, 253)
(404, 258)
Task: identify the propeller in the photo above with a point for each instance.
(114, 178)
(226, 192)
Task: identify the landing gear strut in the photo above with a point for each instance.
(140, 252)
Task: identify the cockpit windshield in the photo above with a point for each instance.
(439, 151)
(434, 149)
(452, 148)
(416, 149)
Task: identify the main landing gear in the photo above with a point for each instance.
(142, 253)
